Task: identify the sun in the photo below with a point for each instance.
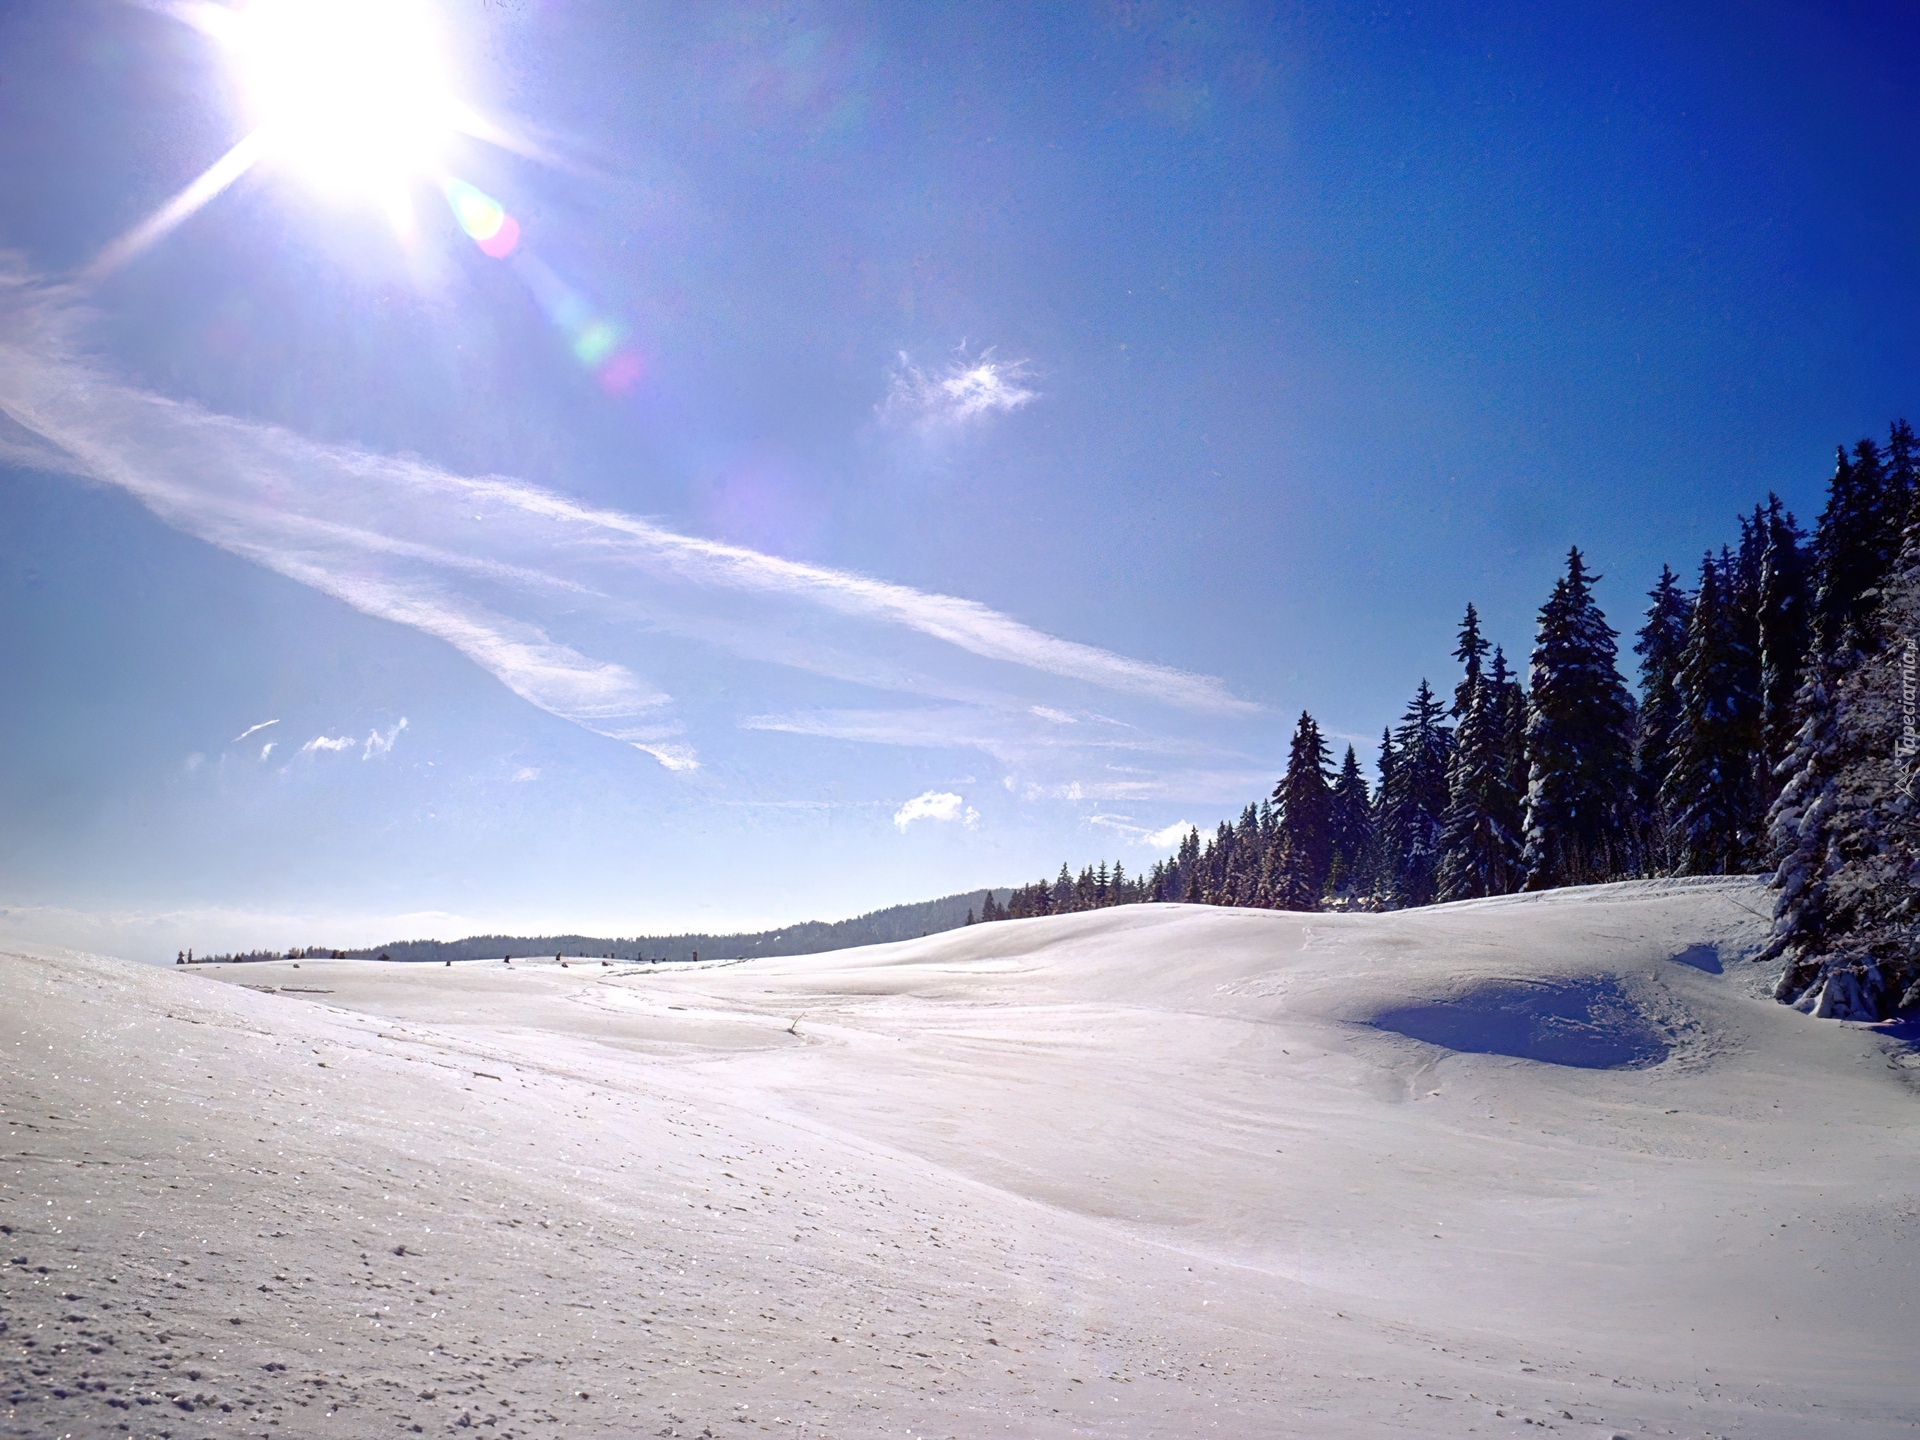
(353, 96)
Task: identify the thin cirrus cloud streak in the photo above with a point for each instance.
(495, 566)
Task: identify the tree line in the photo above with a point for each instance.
(1774, 731)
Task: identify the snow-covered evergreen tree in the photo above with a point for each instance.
(1480, 836)
(1844, 828)
(1710, 796)
(1413, 801)
(1580, 810)
(1305, 801)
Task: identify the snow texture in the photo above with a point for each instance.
(1151, 1171)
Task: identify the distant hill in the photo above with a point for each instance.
(896, 922)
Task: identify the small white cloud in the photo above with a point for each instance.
(326, 742)
(1168, 838)
(934, 805)
(1058, 717)
(267, 749)
(524, 774)
(967, 389)
(378, 744)
(250, 730)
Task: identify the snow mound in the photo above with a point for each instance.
(1591, 1024)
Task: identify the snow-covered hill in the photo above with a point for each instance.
(1152, 1171)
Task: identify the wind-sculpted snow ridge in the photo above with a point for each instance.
(1152, 1171)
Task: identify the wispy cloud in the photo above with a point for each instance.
(382, 744)
(327, 742)
(967, 389)
(935, 805)
(252, 730)
(529, 584)
(266, 750)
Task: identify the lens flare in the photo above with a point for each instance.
(597, 341)
(484, 218)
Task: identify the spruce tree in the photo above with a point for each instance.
(1480, 836)
(1580, 811)
(1784, 630)
(1413, 801)
(1659, 644)
(1845, 828)
(1305, 801)
(1468, 651)
(1192, 886)
(1350, 830)
(1854, 547)
(1515, 726)
(1711, 795)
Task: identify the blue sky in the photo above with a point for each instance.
(1000, 423)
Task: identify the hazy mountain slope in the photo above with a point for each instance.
(809, 937)
(1162, 1156)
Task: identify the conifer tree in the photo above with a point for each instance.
(1580, 811)
(1480, 836)
(1469, 650)
(1660, 645)
(1784, 630)
(1853, 550)
(1192, 885)
(1350, 829)
(1505, 683)
(1305, 801)
(1413, 801)
(1710, 794)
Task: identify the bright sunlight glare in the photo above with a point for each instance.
(353, 95)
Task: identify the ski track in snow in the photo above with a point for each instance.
(1153, 1171)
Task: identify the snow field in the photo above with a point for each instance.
(1150, 1171)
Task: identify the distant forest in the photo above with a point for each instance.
(1774, 732)
(896, 922)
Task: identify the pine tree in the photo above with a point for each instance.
(1480, 836)
(1659, 644)
(1580, 811)
(1711, 794)
(1350, 830)
(1413, 801)
(1305, 801)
